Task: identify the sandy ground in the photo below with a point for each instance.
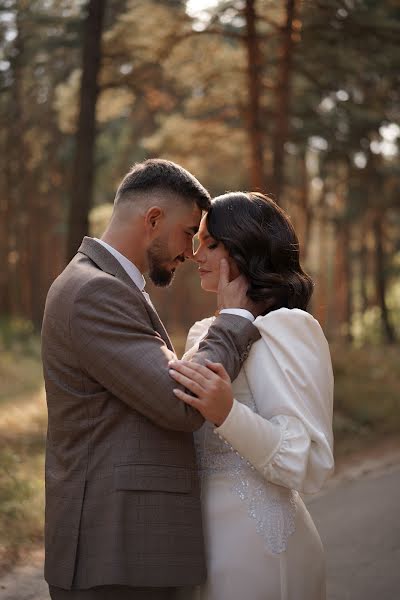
(356, 514)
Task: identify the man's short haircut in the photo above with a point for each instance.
(156, 174)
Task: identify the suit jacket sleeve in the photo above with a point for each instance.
(117, 346)
(228, 341)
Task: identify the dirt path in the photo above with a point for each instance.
(359, 526)
(26, 581)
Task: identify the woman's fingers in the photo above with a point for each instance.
(214, 398)
(187, 382)
(198, 373)
(218, 369)
(187, 398)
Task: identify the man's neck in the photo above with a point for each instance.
(132, 254)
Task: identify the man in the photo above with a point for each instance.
(122, 497)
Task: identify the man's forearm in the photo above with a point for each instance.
(228, 341)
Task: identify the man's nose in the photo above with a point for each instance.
(198, 256)
(189, 252)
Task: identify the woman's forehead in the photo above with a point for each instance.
(203, 231)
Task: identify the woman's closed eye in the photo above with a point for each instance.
(212, 246)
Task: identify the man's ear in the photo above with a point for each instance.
(153, 218)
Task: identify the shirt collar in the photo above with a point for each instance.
(129, 267)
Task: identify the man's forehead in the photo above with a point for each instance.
(192, 218)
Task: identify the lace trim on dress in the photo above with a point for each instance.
(272, 507)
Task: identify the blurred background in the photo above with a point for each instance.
(296, 98)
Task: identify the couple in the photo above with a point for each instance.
(164, 480)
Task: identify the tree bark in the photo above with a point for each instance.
(18, 192)
(343, 280)
(254, 122)
(380, 278)
(363, 253)
(83, 172)
(320, 298)
(283, 92)
(306, 210)
(4, 232)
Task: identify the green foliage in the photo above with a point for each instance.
(18, 334)
(367, 394)
(366, 327)
(20, 367)
(21, 501)
(22, 434)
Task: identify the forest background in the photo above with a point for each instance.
(296, 98)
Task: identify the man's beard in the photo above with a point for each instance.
(158, 257)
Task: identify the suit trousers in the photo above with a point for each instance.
(121, 592)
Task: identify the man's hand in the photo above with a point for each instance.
(233, 294)
(211, 384)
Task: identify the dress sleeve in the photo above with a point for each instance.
(289, 372)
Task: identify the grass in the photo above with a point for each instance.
(367, 395)
(22, 430)
(22, 434)
(367, 409)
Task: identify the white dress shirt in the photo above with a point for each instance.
(129, 267)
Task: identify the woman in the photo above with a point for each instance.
(268, 435)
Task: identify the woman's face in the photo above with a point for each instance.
(208, 257)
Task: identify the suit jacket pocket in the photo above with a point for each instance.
(154, 478)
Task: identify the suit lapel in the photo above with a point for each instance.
(153, 314)
(158, 325)
(109, 264)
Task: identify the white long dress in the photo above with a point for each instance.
(261, 543)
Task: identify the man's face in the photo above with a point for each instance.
(174, 243)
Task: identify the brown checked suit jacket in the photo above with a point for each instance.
(122, 492)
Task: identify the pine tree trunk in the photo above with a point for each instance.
(83, 172)
(363, 262)
(380, 278)
(35, 281)
(348, 274)
(340, 279)
(306, 211)
(320, 299)
(18, 193)
(4, 232)
(283, 92)
(254, 122)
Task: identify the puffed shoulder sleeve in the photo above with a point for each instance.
(289, 372)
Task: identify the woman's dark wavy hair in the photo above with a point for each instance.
(262, 241)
